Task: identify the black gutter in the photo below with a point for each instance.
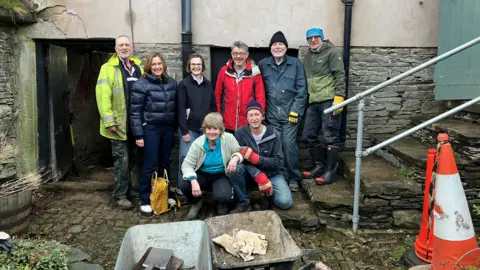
(186, 33)
(347, 32)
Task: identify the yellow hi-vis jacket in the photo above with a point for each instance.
(110, 95)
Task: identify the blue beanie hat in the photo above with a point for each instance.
(315, 32)
(254, 105)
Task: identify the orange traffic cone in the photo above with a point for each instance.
(424, 242)
(453, 233)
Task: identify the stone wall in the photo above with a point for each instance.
(172, 53)
(7, 103)
(389, 110)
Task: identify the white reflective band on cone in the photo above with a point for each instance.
(452, 216)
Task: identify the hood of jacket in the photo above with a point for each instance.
(251, 68)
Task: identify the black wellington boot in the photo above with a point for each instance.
(318, 156)
(330, 174)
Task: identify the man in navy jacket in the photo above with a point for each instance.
(261, 146)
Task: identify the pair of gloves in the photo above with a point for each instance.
(293, 116)
(264, 184)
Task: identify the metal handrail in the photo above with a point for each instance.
(403, 75)
(420, 126)
(361, 108)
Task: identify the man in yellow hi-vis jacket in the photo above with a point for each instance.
(113, 100)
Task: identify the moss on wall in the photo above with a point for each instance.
(15, 6)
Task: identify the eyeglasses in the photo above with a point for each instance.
(235, 54)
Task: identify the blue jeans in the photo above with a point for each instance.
(288, 134)
(182, 152)
(282, 196)
(158, 140)
(316, 122)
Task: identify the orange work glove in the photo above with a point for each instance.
(264, 184)
(337, 100)
(293, 118)
(249, 155)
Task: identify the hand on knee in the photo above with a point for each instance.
(239, 171)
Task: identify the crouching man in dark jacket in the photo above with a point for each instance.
(261, 147)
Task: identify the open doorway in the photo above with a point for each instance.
(67, 72)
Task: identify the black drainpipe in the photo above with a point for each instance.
(347, 31)
(186, 33)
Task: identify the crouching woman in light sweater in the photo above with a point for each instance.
(211, 160)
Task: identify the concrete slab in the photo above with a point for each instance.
(461, 130)
(78, 255)
(380, 178)
(330, 196)
(85, 266)
(408, 149)
(302, 213)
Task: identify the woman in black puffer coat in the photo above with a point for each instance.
(152, 118)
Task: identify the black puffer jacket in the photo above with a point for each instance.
(152, 102)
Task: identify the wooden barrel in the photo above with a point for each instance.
(15, 212)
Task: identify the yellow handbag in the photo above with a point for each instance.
(161, 199)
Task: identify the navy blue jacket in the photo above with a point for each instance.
(285, 88)
(269, 149)
(152, 102)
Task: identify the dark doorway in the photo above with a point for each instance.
(67, 72)
(220, 56)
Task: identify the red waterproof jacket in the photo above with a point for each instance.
(233, 94)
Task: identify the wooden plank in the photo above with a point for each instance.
(475, 63)
(457, 92)
(458, 77)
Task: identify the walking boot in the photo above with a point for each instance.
(318, 156)
(293, 185)
(123, 204)
(330, 174)
(194, 210)
(222, 209)
(240, 208)
(266, 203)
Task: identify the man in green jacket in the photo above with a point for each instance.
(326, 87)
(112, 92)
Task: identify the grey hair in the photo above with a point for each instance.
(240, 44)
(213, 120)
(123, 36)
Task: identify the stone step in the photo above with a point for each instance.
(410, 155)
(379, 178)
(338, 194)
(407, 150)
(333, 203)
(459, 130)
(301, 215)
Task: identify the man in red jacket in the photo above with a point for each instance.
(238, 83)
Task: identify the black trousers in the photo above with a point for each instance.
(219, 184)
